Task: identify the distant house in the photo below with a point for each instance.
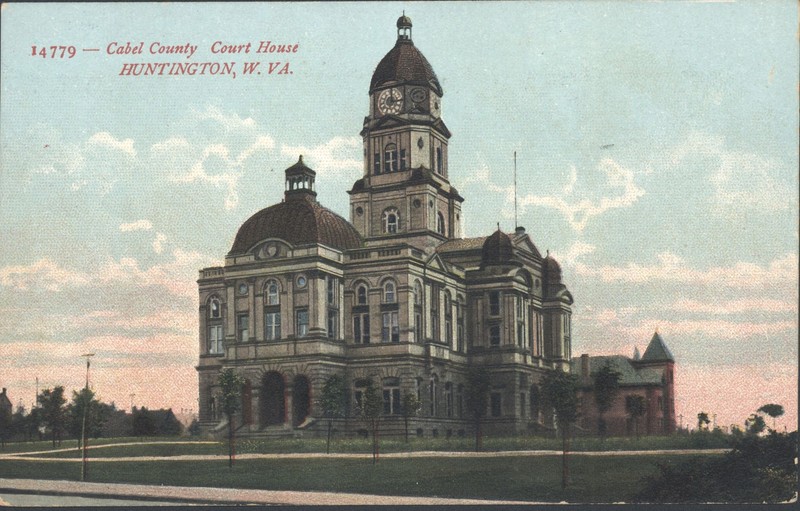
(5, 404)
(650, 376)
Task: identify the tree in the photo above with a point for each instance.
(703, 420)
(332, 403)
(143, 422)
(606, 386)
(560, 391)
(370, 409)
(231, 388)
(477, 395)
(411, 407)
(635, 407)
(97, 414)
(773, 411)
(755, 424)
(52, 402)
(6, 425)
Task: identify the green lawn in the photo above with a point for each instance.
(594, 479)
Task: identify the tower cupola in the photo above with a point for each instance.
(300, 181)
(403, 27)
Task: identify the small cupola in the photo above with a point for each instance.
(300, 181)
(404, 28)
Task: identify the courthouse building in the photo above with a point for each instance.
(395, 294)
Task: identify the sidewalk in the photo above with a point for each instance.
(230, 496)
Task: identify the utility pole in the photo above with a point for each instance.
(86, 403)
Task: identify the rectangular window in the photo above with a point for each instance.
(215, 339)
(520, 334)
(243, 326)
(377, 165)
(418, 327)
(333, 323)
(301, 327)
(391, 401)
(390, 161)
(449, 399)
(391, 329)
(361, 328)
(522, 405)
(272, 329)
(497, 404)
(460, 400)
(494, 303)
(402, 159)
(435, 325)
(448, 332)
(494, 335)
(332, 290)
(460, 337)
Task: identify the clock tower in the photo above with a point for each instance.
(404, 194)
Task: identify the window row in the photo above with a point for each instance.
(272, 292)
(391, 160)
(451, 403)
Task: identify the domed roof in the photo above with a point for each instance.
(552, 270)
(497, 249)
(405, 63)
(403, 21)
(298, 222)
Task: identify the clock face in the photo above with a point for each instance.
(243, 289)
(390, 101)
(301, 281)
(417, 95)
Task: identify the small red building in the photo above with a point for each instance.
(651, 376)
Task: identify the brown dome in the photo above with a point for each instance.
(405, 64)
(497, 249)
(552, 270)
(298, 222)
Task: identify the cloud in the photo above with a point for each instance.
(673, 268)
(620, 189)
(105, 139)
(742, 182)
(219, 161)
(749, 305)
(176, 277)
(339, 156)
(158, 243)
(230, 121)
(575, 252)
(42, 274)
(138, 225)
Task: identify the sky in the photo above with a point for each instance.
(657, 157)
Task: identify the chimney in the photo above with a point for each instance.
(585, 369)
(519, 231)
(4, 390)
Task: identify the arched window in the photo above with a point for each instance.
(391, 221)
(390, 158)
(417, 293)
(361, 295)
(389, 292)
(439, 160)
(440, 223)
(214, 308)
(272, 293)
(215, 336)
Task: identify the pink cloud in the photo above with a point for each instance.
(673, 268)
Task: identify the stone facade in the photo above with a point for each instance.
(395, 294)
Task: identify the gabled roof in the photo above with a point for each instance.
(657, 351)
(630, 375)
(460, 244)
